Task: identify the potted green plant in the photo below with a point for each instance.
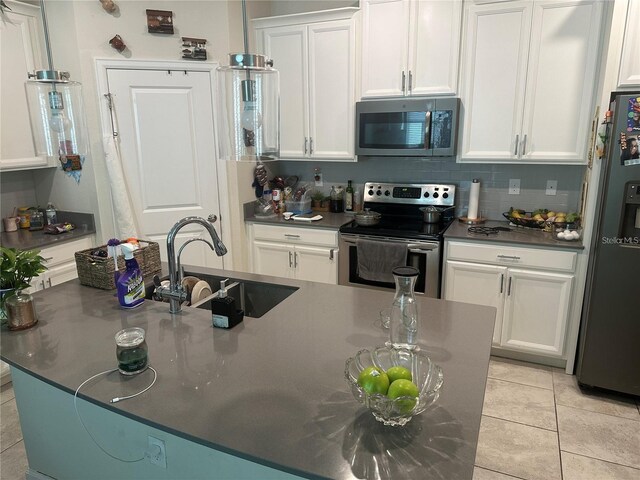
(18, 267)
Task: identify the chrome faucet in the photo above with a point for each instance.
(175, 292)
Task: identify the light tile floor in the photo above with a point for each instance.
(536, 424)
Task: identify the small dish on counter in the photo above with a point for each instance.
(567, 233)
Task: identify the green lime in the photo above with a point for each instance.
(403, 388)
(373, 380)
(397, 373)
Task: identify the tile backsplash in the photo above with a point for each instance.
(494, 180)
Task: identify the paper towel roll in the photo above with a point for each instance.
(474, 197)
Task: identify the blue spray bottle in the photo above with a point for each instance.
(130, 284)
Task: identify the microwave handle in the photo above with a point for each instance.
(427, 131)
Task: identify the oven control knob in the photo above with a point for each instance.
(379, 192)
(445, 195)
(387, 193)
(370, 192)
(426, 194)
(436, 194)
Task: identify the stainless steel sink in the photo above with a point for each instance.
(255, 298)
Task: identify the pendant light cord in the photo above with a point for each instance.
(46, 34)
(244, 26)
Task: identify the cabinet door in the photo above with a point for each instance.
(434, 47)
(385, 42)
(316, 264)
(560, 80)
(60, 274)
(494, 71)
(479, 284)
(629, 75)
(273, 259)
(536, 310)
(20, 53)
(287, 46)
(332, 58)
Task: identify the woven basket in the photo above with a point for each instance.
(99, 272)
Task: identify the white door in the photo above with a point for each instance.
(332, 55)
(166, 131)
(434, 45)
(494, 75)
(316, 264)
(287, 46)
(273, 259)
(564, 40)
(479, 284)
(385, 42)
(536, 311)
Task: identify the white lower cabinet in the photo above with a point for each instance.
(300, 253)
(533, 304)
(60, 263)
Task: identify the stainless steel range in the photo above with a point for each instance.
(401, 223)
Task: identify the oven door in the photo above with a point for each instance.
(423, 255)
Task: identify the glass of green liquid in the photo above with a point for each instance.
(131, 351)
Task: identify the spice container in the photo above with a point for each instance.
(25, 217)
(131, 351)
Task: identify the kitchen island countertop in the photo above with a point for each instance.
(270, 392)
(531, 237)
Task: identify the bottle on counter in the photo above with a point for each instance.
(52, 215)
(348, 198)
(223, 309)
(336, 204)
(357, 201)
(403, 331)
(130, 284)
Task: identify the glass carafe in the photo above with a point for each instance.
(403, 331)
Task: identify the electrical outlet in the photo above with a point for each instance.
(552, 187)
(156, 452)
(318, 180)
(514, 186)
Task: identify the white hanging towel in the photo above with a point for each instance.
(125, 220)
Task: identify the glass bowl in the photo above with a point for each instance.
(567, 232)
(398, 411)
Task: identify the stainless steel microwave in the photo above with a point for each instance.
(407, 127)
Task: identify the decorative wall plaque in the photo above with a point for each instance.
(194, 48)
(160, 21)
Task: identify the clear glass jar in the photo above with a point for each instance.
(336, 199)
(131, 351)
(403, 331)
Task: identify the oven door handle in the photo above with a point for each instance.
(412, 247)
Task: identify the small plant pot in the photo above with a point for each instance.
(320, 205)
(21, 312)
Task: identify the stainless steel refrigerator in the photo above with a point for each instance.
(609, 348)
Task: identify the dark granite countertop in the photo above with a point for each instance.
(526, 237)
(23, 239)
(272, 389)
(331, 221)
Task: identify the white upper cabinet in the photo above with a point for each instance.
(316, 57)
(20, 53)
(410, 47)
(528, 79)
(629, 75)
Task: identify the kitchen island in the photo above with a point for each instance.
(266, 399)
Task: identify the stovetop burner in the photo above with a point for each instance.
(400, 204)
(487, 230)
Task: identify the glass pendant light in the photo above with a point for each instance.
(55, 109)
(249, 102)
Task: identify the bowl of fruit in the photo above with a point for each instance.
(395, 384)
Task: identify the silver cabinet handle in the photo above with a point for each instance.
(524, 145)
(403, 81)
(517, 144)
(410, 81)
(49, 282)
(427, 130)
(311, 146)
(508, 257)
(509, 287)
(290, 261)
(331, 254)
(42, 283)
(305, 145)
(295, 259)
(290, 235)
(501, 282)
